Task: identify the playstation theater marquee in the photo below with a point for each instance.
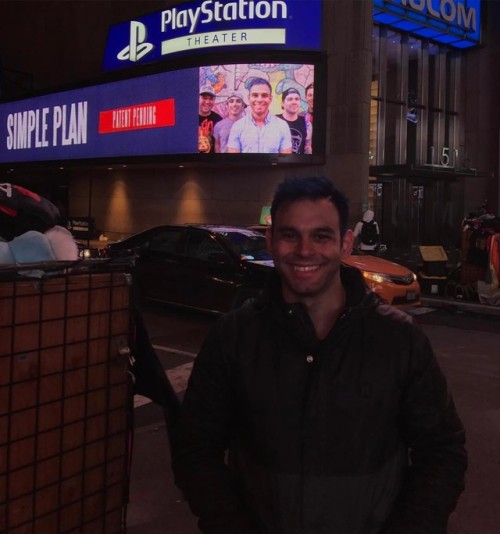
(195, 27)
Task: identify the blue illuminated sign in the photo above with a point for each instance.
(455, 23)
(215, 25)
(157, 115)
(151, 115)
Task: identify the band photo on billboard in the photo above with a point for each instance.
(256, 108)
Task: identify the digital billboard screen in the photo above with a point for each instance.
(256, 108)
(200, 112)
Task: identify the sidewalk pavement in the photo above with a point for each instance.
(155, 506)
(431, 301)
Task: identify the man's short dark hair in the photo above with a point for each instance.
(311, 188)
(259, 81)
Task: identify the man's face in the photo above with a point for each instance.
(307, 249)
(234, 106)
(310, 99)
(291, 104)
(206, 103)
(260, 98)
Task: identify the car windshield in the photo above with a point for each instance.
(247, 245)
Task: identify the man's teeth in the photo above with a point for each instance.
(305, 268)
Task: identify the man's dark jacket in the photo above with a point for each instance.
(354, 434)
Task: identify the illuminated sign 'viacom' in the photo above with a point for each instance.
(200, 26)
(452, 22)
(448, 10)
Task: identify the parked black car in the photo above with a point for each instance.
(205, 267)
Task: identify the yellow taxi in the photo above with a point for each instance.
(393, 282)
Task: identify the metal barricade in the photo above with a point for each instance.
(64, 398)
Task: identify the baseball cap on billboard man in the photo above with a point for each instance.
(207, 90)
(291, 91)
(237, 94)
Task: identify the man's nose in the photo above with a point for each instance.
(304, 247)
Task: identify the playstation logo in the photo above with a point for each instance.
(137, 47)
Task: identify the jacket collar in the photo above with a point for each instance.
(293, 319)
(358, 296)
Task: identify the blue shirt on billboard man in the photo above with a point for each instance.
(259, 131)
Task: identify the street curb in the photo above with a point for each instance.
(457, 305)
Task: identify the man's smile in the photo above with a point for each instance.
(305, 268)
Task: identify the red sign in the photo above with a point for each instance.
(159, 114)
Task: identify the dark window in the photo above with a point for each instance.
(415, 101)
(168, 240)
(200, 245)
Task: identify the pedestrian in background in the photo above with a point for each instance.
(367, 232)
(331, 403)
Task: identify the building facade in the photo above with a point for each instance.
(411, 127)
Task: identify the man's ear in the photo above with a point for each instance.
(347, 243)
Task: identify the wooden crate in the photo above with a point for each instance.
(64, 397)
(434, 260)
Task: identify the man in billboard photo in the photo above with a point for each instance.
(331, 404)
(207, 119)
(259, 131)
(235, 108)
(300, 129)
(309, 114)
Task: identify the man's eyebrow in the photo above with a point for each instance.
(323, 229)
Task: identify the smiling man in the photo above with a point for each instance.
(331, 403)
(259, 131)
(300, 128)
(235, 108)
(310, 103)
(207, 119)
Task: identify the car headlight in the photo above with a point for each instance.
(378, 278)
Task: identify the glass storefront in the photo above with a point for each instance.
(415, 101)
(414, 137)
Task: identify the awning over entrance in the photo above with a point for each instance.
(424, 171)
